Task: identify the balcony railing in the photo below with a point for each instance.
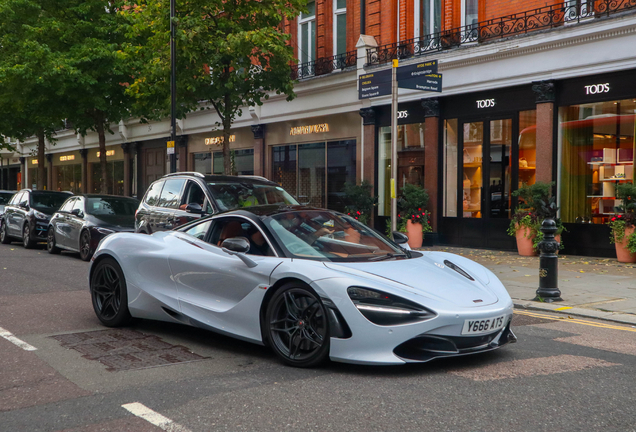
(572, 11)
(325, 65)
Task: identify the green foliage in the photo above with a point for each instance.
(230, 54)
(618, 224)
(411, 205)
(627, 193)
(360, 200)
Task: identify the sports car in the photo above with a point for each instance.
(310, 283)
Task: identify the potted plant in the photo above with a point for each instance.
(536, 204)
(622, 226)
(413, 219)
(359, 201)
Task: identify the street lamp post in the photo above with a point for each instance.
(173, 86)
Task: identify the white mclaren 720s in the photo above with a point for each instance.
(310, 283)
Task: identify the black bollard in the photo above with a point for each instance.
(548, 290)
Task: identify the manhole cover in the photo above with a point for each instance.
(523, 320)
(126, 349)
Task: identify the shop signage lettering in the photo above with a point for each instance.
(218, 140)
(402, 114)
(67, 158)
(34, 161)
(108, 153)
(597, 88)
(416, 70)
(305, 130)
(486, 103)
(375, 84)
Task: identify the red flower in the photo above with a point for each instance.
(419, 209)
(418, 216)
(358, 212)
(613, 219)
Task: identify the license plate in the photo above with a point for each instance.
(487, 325)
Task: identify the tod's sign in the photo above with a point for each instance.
(486, 103)
(597, 88)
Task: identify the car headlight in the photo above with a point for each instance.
(105, 231)
(40, 215)
(387, 309)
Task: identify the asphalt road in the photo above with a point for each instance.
(68, 373)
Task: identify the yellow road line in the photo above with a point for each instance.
(563, 308)
(577, 321)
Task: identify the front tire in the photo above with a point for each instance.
(4, 235)
(50, 242)
(297, 327)
(85, 246)
(26, 237)
(109, 294)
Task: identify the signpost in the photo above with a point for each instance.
(420, 76)
(170, 147)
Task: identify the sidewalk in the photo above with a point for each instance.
(592, 287)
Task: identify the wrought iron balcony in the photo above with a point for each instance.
(324, 65)
(573, 11)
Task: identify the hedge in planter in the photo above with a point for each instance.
(360, 201)
(412, 212)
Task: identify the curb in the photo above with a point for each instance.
(616, 317)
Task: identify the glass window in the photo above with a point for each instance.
(193, 195)
(471, 12)
(311, 174)
(16, 198)
(284, 167)
(527, 147)
(307, 34)
(68, 205)
(68, 178)
(203, 163)
(78, 205)
(242, 162)
(152, 196)
(5, 197)
(228, 196)
(115, 177)
(171, 193)
(500, 173)
(450, 168)
(111, 206)
(225, 228)
(199, 230)
(34, 176)
(340, 27)
(47, 202)
(431, 20)
(596, 152)
(341, 169)
(472, 156)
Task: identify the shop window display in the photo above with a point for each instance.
(596, 153)
(33, 177)
(242, 162)
(68, 178)
(527, 147)
(115, 180)
(450, 168)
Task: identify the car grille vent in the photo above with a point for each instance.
(458, 269)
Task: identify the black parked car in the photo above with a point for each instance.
(5, 197)
(178, 198)
(83, 220)
(27, 215)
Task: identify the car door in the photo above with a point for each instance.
(216, 288)
(193, 194)
(169, 202)
(9, 214)
(76, 222)
(20, 213)
(59, 222)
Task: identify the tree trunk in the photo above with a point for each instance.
(41, 161)
(103, 185)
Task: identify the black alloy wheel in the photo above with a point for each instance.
(109, 295)
(85, 246)
(4, 235)
(297, 326)
(51, 247)
(26, 237)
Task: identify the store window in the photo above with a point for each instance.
(203, 163)
(241, 162)
(34, 175)
(430, 17)
(307, 34)
(596, 153)
(450, 168)
(68, 178)
(410, 147)
(339, 27)
(114, 179)
(316, 173)
(527, 147)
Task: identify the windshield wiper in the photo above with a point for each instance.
(388, 255)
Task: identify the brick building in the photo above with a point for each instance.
(532, 90)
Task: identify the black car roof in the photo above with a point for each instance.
(223, 178)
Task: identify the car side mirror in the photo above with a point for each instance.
(76, 212)
(400, 238)
(238, 246)
(194, 208)
(24, 205)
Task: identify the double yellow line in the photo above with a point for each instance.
(576, 321)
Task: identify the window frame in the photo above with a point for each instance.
(418, 18)
(311, 21)
(336, 12)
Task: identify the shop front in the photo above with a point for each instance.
(313, 158)
(33, 174)
(206, 152)
(489, 150)
(596, 142)
(9, 173)
(114, 170)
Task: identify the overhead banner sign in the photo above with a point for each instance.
(416, 70)
(375, 84)
(431, 82)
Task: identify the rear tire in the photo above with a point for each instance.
(4, 236)
(26, 237)
(50, 242)
(297, 327)
(109, 294)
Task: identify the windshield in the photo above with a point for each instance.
(48, 202)
(5, 197)
(111, 206)
(327, 236)
(229, 196)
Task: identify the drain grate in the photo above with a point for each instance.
(126, 349)
(524, 320)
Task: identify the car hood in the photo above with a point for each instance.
(429, 277)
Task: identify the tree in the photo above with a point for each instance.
(31, 78)
(230, 54)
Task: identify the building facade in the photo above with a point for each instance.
(532, 91)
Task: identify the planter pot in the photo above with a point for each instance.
(415, 234)
(622, 253)
(524, 242)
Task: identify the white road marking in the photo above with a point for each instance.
(14, 340)
(154, 417)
